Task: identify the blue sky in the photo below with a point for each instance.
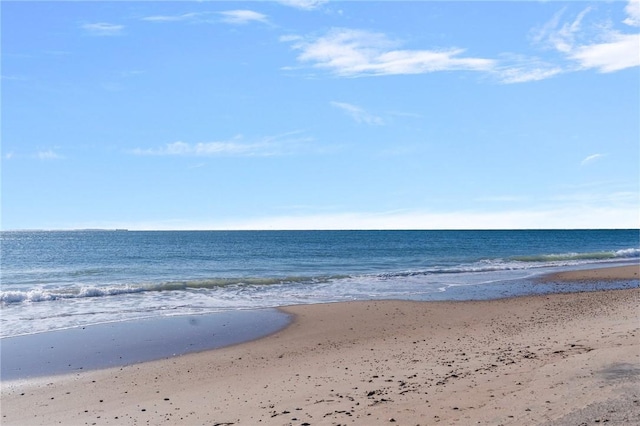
(305, 114)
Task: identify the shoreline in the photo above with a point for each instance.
(628, 272)
(117, 344)
(523, 360)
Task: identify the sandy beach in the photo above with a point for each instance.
(556, 359)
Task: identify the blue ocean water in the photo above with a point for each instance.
(59, 279)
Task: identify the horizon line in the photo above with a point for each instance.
(309, 230)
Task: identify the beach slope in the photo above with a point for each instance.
(561, 359)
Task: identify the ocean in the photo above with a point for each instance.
(52, 280)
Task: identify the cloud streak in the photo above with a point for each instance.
(618, 54)
(303, 4)
(241, 17)
(590, 159)
(266, 147)
(356, 53)
(234, 17)
(520, 69)
(103, 29)
(596, 46)
(206, 149)
(351, 53)
(48, 155)
(633, 13)
(358, 114)
(175, 18)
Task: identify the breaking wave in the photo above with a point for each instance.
(594, 256)
(515, 263)
(76, 292)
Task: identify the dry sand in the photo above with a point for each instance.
(561, 359)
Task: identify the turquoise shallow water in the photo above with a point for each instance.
(58, 279)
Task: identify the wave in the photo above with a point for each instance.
(599, 255)
(8, 297)
(77, 292)
(516, 263)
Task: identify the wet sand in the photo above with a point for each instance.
(601, 274)
(561, 359)
(121, 343)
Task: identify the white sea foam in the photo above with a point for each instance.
(233, 287)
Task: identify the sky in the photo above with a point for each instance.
(308, 114)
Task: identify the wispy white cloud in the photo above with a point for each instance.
(560, 35)
(269, 146)
(594, 46)
(241, 17)
(358, 114)
(13, 78)
(619, 53)
(205, 149)
(176, 18)
(590, 159)
(353, 53)
(103, 29)
(524, 74)
(348, 52)
(521, 69)
(49, 154)
(235, 17)
(290, 38)
(304, 4)
(633, 13)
